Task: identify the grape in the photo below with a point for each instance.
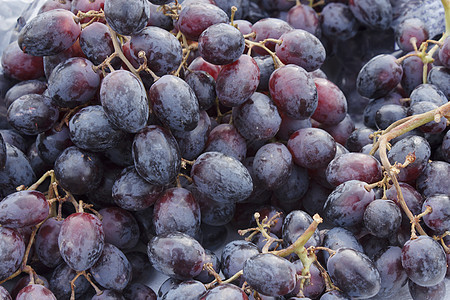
(189, 290)
(389, 114)
(212, 258)
(120, 227)
(389, 265)
(314, 198)
(167, 285)
(295, 224)
(175, 103)
(295, 187)
(424, 261)
(139, 291)
(78, 171)
(12, 247)
(81, 240)
(375, 14)
(445, 147)
(213, 212)
(288, 126)
(439, 218)
(312, 148)
(304, 17)
(221, 177)
(60, 282)
(176, 255)
(20, 65)
(226, 139)
(358, 139)
(353, 166)
(301, 48)
(102, 196)
(49, 33)
(4, 294)
(24, 88)
(121, 154)
(204, 87)
(46, 245)
(266, 68)
(412, 73)
(281, 272)
(96, 44)
(24, 208)
(432, 126)
(299, 101)
(131, 192)
(162, 49)
(427, 93)
(444, 53)
(177, 210)
(315, 287)
(346, 204)
(272, 165)
(221, 44)
(32, 114)
(375, 104)
(199, 64)
(439, 76)
(238, 81)
(338, 22)
(51, 144)
(54, 4)
(112, 270)
(35, 291)
(17, 171)
(332, 104)
(382, 217)
(409, 28)
(269, 28)
(127, 17)
(379, 76)
(72, 93)
(354, 273)
(224, 292)
(234, 256)
(85, 6)
(257, 118)
(91, 130)
(418, 292)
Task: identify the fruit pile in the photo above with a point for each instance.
(135, 134)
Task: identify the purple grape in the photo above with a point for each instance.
(190, 289)
(234, 256)
(430, 180)
(120, 227)
(295, 224)
(389, 265)
(439, 219)
(22, 209)
(376, 14)
(304, 17)
(418, 292)
(225, 292)
(60, 280)
(12, 247)
(382, 217)
(125, 17)
(35, 291)
(139, 291)
(338, 22)
(46, 245)
(225, 139)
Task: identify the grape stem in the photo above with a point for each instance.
(261, 44)
(397, 129)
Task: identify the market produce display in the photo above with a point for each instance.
(135, 135)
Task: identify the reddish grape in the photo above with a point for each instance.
(35, 291)
(341, 131)
(81, 240)
(127, 17)
(411, 28)
(24, 88)
(238, 81)
(301, 48)
(96, 44)
(4, 294)
(439, 218)
(20, 65)
(55, 4)
(49, 33)
(46, 244)
(412, 73)
(444, 53)
(12, 247)
(24, 208)
(332, 104)
(85, 6)
(120, 227)
(297, 101)
(389, 265)
(226, 139)
(304, 17)
(199, 64)
(269, 28)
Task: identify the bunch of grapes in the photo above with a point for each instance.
(136, 134)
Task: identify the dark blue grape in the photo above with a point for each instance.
(225, 139)
(212, 258)
(204, 87)
(120, 227)
(125, 17)
(60, 282)
(430, 180)
(418, 292)
(24, 88)
(389, 114)
(382, 218)
(295, 224)
(215, 213)
(51, 144)
(139, 291)
(439, 218)
(339, 237)
(266, 68)
(46, 244)
(428, 93)
(295, 187)
(234, 256)
(338, 22)
(376, 14)
(439, 76)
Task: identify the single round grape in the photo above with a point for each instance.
(120, 227)
(12, 247)
(204, 87)
(78, 171)
(358, 139)
(295, 224)
(24, 208)
(257, 118)
(301, 48)
(424, 261)
(197, 17)
(295, 187)
(175, 103)
(418, 292)
(375, 104)
(412, 73)
(237, 81)
(382, 217)
(215, 213)
(439, 218)
(131, 192)
(346, 204)
(176, 255)
(234, 256)
(353, 166)
(376, 14)
(32, 114)
(299, 101)
(312, 147)
(221, 177)
(439, 76)
(389, 265)
(96, 44)
(269, 28)
(112, 270)
(224, 292)
(159, 19)
(35, 291)
(410, 28)
(266, 68)
(46, 243)
(338, 22)
(221, 44)
(24, 88)
(332, 104)
(226, 139)
(72, 93)
(81, 240)
(177, 210)
(127, 17)
(20, 65)
(354, 273)
(379, 76)
(49, 33)
(428, 93)
(304, 17)
(444, 53)
(259, 268)
(156, 155)
(162, 49)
